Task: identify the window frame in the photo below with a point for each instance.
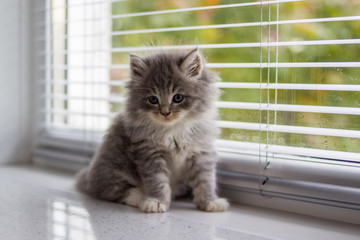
(234, 168)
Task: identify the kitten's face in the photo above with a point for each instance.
(168, 88)
(166, 106)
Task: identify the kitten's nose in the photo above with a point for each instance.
(165, 114)
(165, 111)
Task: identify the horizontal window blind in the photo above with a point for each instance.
(290, 105)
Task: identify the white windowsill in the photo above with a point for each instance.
(33, 198)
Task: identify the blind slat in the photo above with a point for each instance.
(47, 8)
(78, 113)
(290, 108)
(232, 25)
(290, 129)
(242, 85)
(213, 46)
(120, 83)
(291, 86)
(239, 45)
(115, 99)
(314, 154)
(286, 65)
(229, 65)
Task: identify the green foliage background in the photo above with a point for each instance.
(286, 32)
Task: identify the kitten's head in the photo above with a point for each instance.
(166, 88)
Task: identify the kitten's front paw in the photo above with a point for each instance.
(151, 205)
(217, 205)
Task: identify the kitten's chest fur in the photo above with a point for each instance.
(178, 159)
(181, 144)
(178, 164)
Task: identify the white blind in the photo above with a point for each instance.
(290, 108)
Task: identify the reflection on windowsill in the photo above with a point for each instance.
(69, 221)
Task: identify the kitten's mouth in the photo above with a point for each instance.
(169, 118)
(166, 119)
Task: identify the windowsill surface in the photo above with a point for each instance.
(41, 203)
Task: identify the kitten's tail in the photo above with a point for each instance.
(82, 180)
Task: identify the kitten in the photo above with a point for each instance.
(162, 145)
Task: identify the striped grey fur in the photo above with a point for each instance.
(154, 152)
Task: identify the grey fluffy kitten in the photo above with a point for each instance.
(162, 145)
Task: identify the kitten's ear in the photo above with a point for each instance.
(137, 65)
(192, 65)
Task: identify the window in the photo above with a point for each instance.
(290, 106)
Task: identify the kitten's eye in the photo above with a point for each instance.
(178, 98)
(153, 100)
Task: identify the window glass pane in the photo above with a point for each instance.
(300, 52)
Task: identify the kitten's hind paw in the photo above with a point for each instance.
(151, 205)
(217, 205)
